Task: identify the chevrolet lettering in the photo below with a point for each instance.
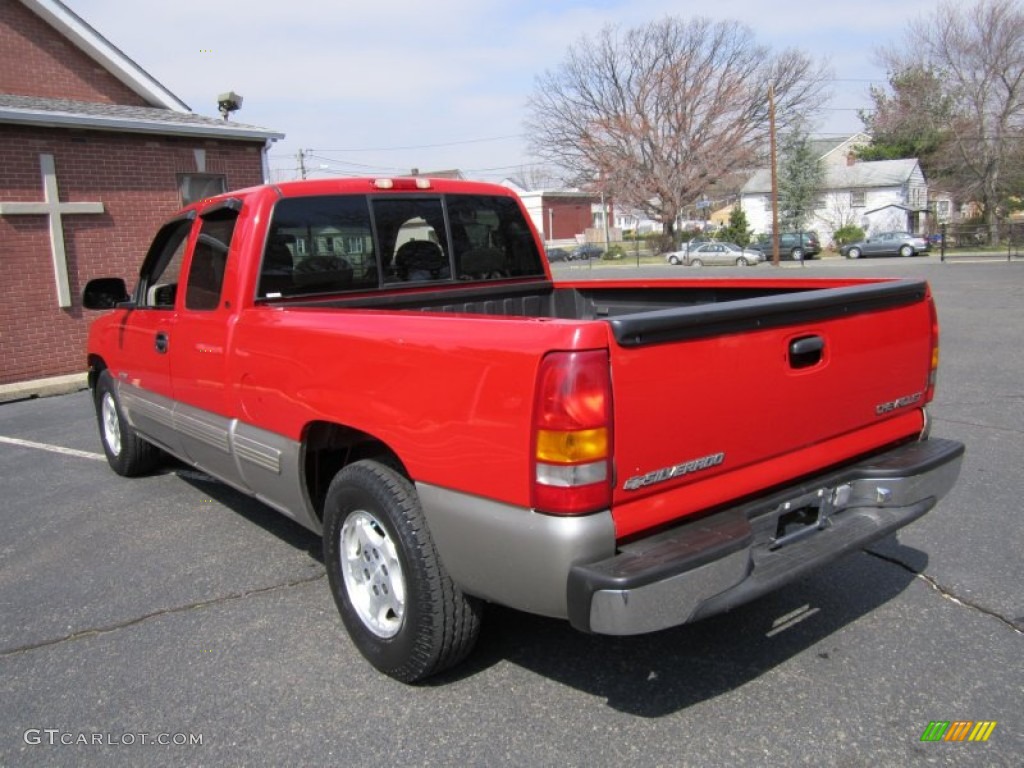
(392, 363)
(883, 408)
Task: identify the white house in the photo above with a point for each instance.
(876, 196)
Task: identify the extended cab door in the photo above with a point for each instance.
(145, 336)
(198, 356)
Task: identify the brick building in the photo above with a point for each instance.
(94, 155)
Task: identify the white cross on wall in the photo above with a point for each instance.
(53, 208)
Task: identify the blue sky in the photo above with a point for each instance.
(382, 87)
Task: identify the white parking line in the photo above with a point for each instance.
(52, 448)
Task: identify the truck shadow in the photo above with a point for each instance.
(252, 509)
(662, 673)
(657, 674)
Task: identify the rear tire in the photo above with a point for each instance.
(127, 453)
(400, 607)
(906, 251)
(853, 253)
(696, 263)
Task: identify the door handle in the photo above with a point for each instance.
(160, 342)
(806, 351)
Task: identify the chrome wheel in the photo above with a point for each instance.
(373, 574)
(111, 424)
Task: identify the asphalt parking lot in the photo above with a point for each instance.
(168, 620)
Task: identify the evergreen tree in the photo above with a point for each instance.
(801, 179)
(737, 230)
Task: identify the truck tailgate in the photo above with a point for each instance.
(717, 401)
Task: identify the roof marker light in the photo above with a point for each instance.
(414, 183)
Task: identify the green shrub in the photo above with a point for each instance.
(614, 253)
(848, 234)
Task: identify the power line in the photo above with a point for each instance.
(422, 146)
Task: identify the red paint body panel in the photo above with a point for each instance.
(452, 403)
(739, 395)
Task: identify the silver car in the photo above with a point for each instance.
(886, 244)
(714, 254)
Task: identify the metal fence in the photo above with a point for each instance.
(976, 240)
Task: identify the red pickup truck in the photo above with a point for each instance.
(390, 363)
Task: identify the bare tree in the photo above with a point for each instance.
(537, 177)
(655, 114)
(977, 55)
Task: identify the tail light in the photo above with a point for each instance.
(572, 434)
(934, 370)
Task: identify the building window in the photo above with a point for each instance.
(198, 186)
(857, 198)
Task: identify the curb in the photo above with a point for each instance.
(49, 387)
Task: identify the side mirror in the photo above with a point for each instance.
(105, 293)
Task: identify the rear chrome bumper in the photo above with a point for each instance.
(713, 564)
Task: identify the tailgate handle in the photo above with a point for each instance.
(806, 351)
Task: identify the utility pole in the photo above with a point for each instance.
(775, 179)
(302, 163)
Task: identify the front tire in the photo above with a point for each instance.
(400, 607)
(853, 253)
(696, 263)
(742, 262)
(127, 453)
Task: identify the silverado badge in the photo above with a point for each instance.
(678, 470)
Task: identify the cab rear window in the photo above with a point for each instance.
(342, 243)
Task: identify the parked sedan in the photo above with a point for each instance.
(886, 244)
(586, 251)
(715, 254)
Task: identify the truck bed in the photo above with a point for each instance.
(657, 310)
(753, 382)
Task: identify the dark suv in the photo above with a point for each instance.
(586, 251)
(792, 245)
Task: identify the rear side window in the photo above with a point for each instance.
(336, 243)
(209, 260)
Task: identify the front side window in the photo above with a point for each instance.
(161, 270)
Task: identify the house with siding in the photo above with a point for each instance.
(877, 196)
(94, 155)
